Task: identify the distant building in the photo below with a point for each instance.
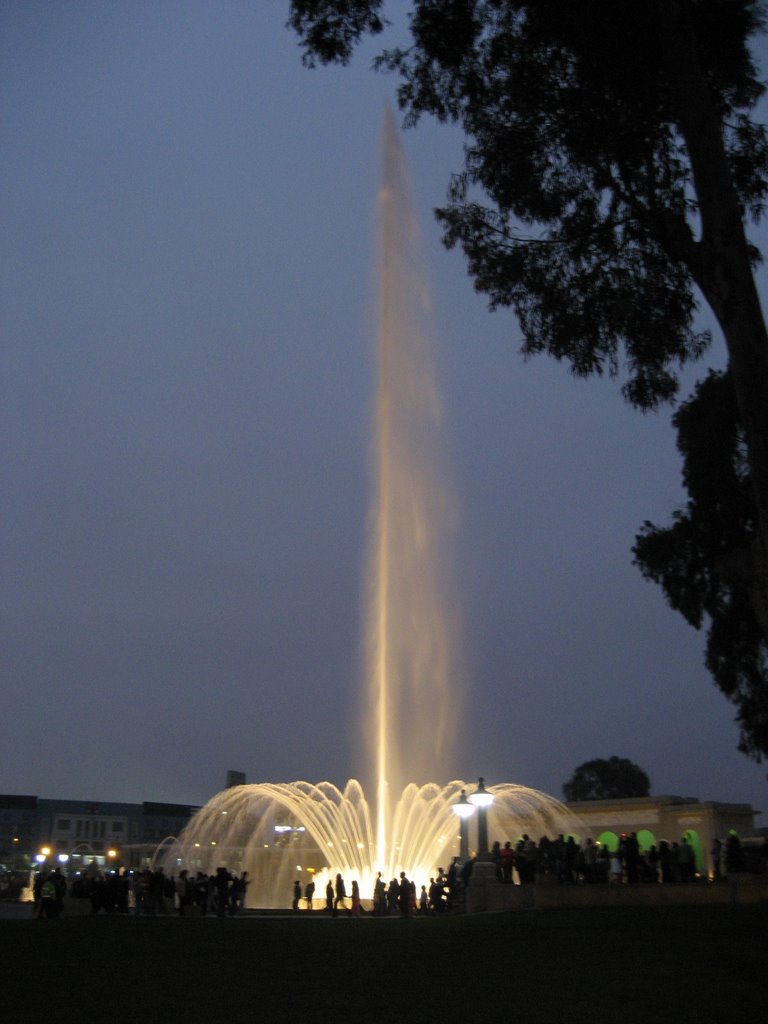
(672, 818)
(83, 833)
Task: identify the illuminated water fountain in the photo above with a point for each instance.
(282, 831)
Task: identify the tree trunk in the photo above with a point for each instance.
(721, 266)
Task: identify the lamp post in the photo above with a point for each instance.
(463, 810)
(482, 800)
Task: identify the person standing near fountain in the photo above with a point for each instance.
(309, 893)
(237, 891)
(380, 896)
(341, 894)
(393, 896)
(221, 883)
(182, 892)
(404, 895)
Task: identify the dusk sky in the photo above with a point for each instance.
(188, 290)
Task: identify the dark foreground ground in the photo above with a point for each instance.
(623, 965)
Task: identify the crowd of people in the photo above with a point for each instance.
(561, 860)
(399, 896)
(143, 892)
(565, 860)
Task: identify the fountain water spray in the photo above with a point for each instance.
(413, 655)
(276, 831)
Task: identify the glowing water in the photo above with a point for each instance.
(412, 651)
(282, 831)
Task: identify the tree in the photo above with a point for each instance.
(614, 779)
(702, 560)
(610, 165)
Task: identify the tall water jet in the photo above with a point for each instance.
(280, 831)
(412, 622)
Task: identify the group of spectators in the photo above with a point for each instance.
(443, 893)
(526, 861)
(222, 893)
(398, 897)
(565, 860)
(143, 892)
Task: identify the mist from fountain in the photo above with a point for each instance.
(282, 831)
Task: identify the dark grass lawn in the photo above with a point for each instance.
(682, 964)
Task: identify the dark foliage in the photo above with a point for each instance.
(330, 28)
(615, 778)
(610, 165)
(575, 202)
(705, 559)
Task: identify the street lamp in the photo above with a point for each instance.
(482, 800)
(463, 810)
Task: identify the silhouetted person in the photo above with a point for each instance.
(734, 854)
(60, 885)
(632, 857)
(341, 894)
(435, 896)
(589, 862)
(686, 859)
(355, 899)
(222, 880)
(296, 894)
(570, 853)
(404, 895)
(507, 860)
(379, 895)
(393, 896)
(309, 893)
(47, 905)
(181, 891)
(423, 900)
(329, 896)
(157, 891)
(237, 892)
(525, 858)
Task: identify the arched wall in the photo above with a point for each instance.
(609, 839)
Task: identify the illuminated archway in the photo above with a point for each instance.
(693, 839)
(645, 840)
(608, 839)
